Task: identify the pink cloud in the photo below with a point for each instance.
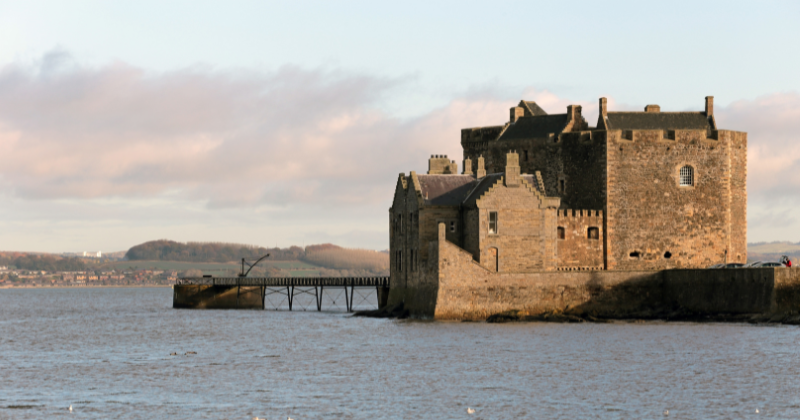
(230, 139)
(773, 158)
(242, 138)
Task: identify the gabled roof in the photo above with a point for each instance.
(658, 121)
(445, 190)
(487, 182)
(535, 127)
(532, 109)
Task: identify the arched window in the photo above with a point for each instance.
(687, 176)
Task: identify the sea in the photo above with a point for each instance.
(106, 352)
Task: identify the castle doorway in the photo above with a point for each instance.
(494, 262)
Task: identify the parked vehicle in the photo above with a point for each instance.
(728, 265)
(767, 264)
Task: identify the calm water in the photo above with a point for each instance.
(106, 352)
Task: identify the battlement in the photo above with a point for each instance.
(580, 245)
(660, 135)
(478, 134)
(573, 213)
(441, 164)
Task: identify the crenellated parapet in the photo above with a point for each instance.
(579, 235)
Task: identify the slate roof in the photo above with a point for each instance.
(445, 190)
(535, 127)
(658, 121)
(532, 108)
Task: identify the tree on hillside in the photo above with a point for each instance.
(42, 262)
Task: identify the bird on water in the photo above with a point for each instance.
(470, 410)
(70, 408)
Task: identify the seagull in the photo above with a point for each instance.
(666, 412)
(70, 408)
(757, 411)
(470, 410)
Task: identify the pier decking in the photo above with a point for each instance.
(254, 292)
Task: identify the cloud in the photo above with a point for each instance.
(773, 151)
(229, 138)
(282, 144)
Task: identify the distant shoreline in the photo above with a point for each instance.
(82, 287)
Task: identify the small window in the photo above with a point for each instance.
(687, 176)
(594, 233)
(561, 233)
(452, 226)
(667, 255)
(525, 155)
(493, 222)
(399, 260)
(562, 186)
(635, 254)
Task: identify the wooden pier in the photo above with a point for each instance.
(254, 292)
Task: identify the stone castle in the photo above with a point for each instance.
(546, 192)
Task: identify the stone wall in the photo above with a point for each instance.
(525, 238)
(651, 221)
(654, 223)
(572, 165)
(579, 249)
(456, 287)
(738, 220)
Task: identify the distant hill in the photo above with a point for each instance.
(772, 251)
(166, 250)
(338, 258)
(326, 256)
(41, 262)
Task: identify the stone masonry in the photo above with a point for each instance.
(546, 192)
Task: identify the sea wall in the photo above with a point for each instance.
(200, 296)
(457, 288)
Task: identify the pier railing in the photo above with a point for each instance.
(287, 288)
(289, 281)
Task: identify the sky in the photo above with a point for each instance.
(286, 123)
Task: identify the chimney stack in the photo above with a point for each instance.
(467, 166)
(602, 118)
(652, 108)
(481, 172)
(709, 106)
(515, 113)
(574, 112)
(441, 165)
(512, 169)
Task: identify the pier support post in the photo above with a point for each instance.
(383, 296)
